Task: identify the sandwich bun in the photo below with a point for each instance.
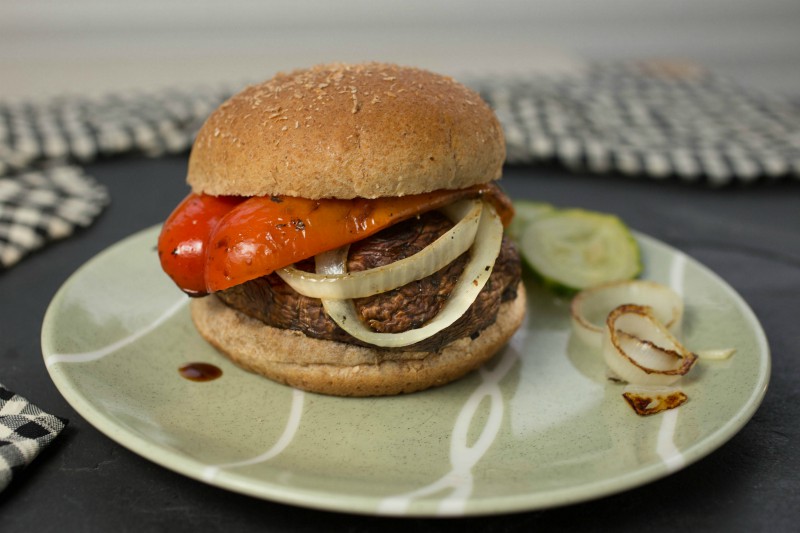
(347, 131)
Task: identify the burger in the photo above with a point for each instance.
(344, 232)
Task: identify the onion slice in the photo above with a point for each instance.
(651, 400)
(640, 350)
(590, 307)
(715, 354)
(483, 254)
(440, 253)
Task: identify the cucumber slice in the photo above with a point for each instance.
(573, 249)
(525, 212)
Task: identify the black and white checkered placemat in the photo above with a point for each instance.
(656, 120)
(37, 207)
(44, 194)
(79, 130)
(25, 430)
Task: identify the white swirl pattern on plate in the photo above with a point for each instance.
(666, 449)
(94, 355)
(292, 425)
(462, 456)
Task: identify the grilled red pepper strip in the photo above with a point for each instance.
(263, 234)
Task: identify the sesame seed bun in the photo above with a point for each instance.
(340, 369)
(346, 131)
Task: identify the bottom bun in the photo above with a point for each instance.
(341, 369)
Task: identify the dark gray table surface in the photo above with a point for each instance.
(748, 235)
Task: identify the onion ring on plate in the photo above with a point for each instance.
(590, 307)
(641, 351)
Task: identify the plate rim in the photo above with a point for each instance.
(361, 504)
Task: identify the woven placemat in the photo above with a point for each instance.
(25, 430)
(652, 119)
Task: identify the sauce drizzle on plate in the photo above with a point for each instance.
(200, 371)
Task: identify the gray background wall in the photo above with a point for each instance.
(52, 46)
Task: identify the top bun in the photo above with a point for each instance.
(346, 131)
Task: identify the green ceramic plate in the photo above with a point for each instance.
(539, 426)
